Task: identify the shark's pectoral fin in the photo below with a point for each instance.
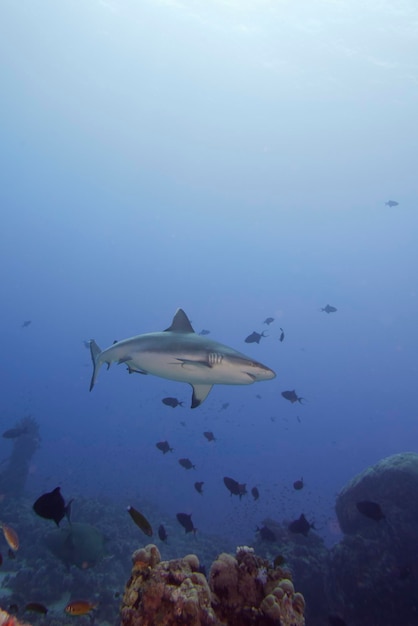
(135, 370)
(200, 392)
(194, 363)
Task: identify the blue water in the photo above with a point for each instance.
(232, 159)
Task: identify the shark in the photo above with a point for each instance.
(178, 353)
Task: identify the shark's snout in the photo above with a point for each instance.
(265, 373)
(259, 372)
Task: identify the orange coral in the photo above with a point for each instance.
(243, 590)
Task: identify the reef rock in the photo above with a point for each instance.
(243, 590)
(392, 483)
(373, 570)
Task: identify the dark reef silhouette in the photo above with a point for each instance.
(369, 577)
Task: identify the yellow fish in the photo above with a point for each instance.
(80, 607)
(11, 536)
(140, 521)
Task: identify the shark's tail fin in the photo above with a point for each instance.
(95, 353)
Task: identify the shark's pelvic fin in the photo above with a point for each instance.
(124, 359)
(180, 323)
(200, 392)
(135, 370)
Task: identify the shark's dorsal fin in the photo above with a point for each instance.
(180, 323)
(200, 392)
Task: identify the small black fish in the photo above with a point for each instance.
(13, 609)
(11, 554)
(281, 335)
(370, 509)
(187, 464)
(164, 446)
(13, 433)
(140, 520)
(300, 526)
(329, 309)
(266, 533)
(391, 203)
(173, 402)
(255, 493)
(162, 533)
(185, 520)
(52, 505)
(36, 607)
(204, 332)
(26, 324)
(335, 620)
(268, 320)
(254, 337)
(225, 406)
(209, 435)
(298, 484)
(199, 486)
(279, 560)
(292, 396)
(235, 487)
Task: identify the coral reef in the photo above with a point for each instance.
(166, 592)
(36, 574)
(247, 590)
(10, 620)
(307, 559)
(369, 577)
(373, 570)
(243, 590)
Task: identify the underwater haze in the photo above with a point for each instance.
(233, 158)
